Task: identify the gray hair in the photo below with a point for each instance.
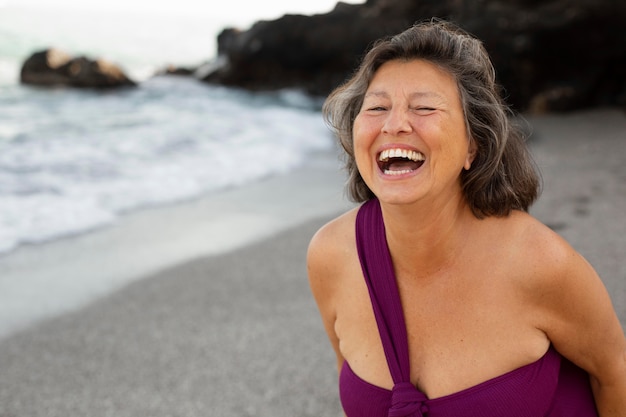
(503, 176)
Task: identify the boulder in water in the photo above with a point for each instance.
(54, 67)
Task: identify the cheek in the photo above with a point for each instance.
(359, 130)
(362, 139)
(361, 157)
(456, 143)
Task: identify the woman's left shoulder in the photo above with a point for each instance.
(535, 237)
(566, 300)
(543, 255)
(550, 267)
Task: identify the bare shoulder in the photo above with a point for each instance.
(331, 244)
(538, 262)
(567, 297)
(329, 257)
(547, 258)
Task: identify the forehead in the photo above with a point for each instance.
(415, 78)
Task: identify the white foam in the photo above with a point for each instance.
(87, 157)
(9, 72)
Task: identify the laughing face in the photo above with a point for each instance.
(410, 137)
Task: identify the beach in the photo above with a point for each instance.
(203, 308)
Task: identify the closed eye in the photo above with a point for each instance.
(425, 109)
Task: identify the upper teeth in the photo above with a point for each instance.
(401, 153)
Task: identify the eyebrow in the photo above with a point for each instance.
(416, 94)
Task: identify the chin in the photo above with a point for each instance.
(397, 198)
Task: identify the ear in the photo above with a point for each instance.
(471, 155)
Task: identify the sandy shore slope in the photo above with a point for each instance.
(233, 330)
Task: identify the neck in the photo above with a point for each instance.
(424, 241)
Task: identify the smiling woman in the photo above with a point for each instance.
(412, 107)
(441, 295)
(502, 171)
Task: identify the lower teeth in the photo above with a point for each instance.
(401, 172)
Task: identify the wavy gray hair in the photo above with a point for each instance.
(503, 176)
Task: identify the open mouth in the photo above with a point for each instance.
(399, 161)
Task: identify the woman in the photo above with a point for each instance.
(440, 294)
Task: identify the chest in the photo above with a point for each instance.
(463, 327)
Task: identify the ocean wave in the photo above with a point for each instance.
(71, 161)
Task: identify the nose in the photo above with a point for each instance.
(397, 122)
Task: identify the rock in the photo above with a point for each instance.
(314, 53)
(550, 55)
(53, 67)
(177, 71)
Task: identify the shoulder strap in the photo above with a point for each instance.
(383, 289)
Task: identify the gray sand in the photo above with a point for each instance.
(234, 335)
(239, 334)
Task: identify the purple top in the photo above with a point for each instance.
(550, 387)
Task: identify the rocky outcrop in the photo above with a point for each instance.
(174, 70)
(53, 67)
(550, 55)
(314, 53)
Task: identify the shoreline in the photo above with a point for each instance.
(43, 280)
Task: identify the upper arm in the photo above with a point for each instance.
(575, 311)
(324, 273)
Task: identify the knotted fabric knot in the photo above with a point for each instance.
(407, 401)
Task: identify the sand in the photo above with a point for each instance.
(191, 327)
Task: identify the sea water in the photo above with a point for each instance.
(74, 160)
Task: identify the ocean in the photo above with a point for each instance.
(76, 160)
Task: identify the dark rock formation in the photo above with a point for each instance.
(314, 53)
(52, 67)
(176, 71)
(550, 55)
(556, 55)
